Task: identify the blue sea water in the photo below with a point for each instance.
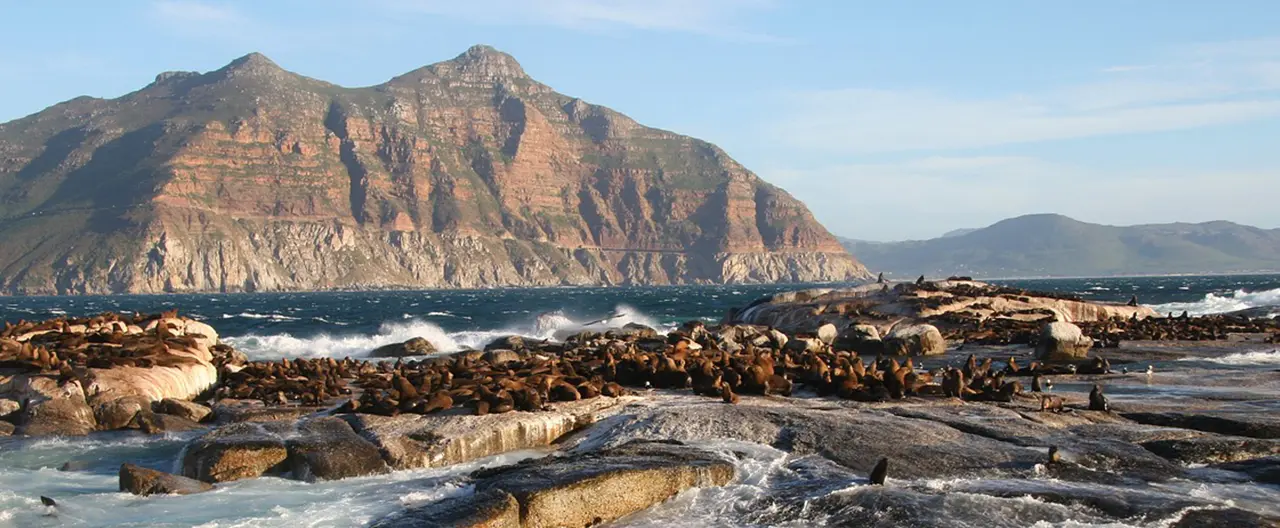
(268, 325)
(274, 325)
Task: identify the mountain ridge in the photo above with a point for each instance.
(462, 173)
(1052, 245)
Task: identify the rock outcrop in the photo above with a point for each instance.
(415, 441)
(102, 373)
(883, 305)
(324, 448)
(1062, 341)
(488, 509)
(414, 347)
(464, 173)
(915, 340)
(959, 309)
(575, 490)
(350, 445)
(143, 481)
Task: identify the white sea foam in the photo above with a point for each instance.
(546, 326)
(251, 315)
(1214, 303)
(274, 346)
(1257, 357)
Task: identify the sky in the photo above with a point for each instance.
(891, 120)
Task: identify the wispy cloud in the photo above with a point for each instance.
(717, 18)
(1196, 86)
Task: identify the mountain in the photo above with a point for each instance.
(1049, 245)
(465, 173)
(958, 232)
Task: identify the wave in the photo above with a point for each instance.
(251, 315)
(1258, 357)
(1214, 303)
(546, 326)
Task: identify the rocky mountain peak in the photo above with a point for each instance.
(481, 63)
(465, 173)
(252, 65)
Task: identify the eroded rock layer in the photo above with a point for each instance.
(465, 173)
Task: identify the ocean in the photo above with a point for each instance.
(339, 324)
(275, 325)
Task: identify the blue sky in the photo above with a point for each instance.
(892, 120)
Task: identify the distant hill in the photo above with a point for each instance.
(1050, 245)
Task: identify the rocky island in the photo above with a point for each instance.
(906, 393)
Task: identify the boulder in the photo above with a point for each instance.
(324, 448)
(182, 408)
(637, 330)
(827, 333)
(806, 344)
(861, 338)
(1061, 341)
(411, 441)
(142, 481)
(488, 509)
(915, 340)
(328, 449)
(500, 356)
(236, 451)
(9, 408)
(234, 411)
(157, 423)
(64, 416)
(120, 413)
(599, 487)
(6, 428)
(511, 342)
(414, 347)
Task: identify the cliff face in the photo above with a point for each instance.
(465, 173)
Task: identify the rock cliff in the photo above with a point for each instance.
(464, 173)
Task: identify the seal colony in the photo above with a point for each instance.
(876, 355)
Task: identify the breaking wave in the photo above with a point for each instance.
(1214, 303)
(1259, 357)
(550, 325)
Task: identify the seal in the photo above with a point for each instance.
(879, 473)
(1098, 401)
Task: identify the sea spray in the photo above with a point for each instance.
(259, 346)
(1254, 358)
(1214, 303)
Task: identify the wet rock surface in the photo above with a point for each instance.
(579, 489)
(143, 481)
(182, 408)
(323, 448)
(487, 509)
(411, 441)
